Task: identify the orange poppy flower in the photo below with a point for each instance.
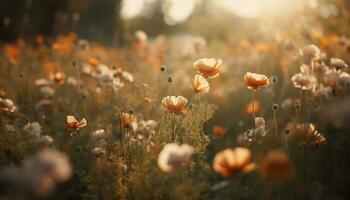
(175, 104)
(232, 161)
(219, 131)
(276, 165)
(12, 53)
(94, 62)
(208, 67)
(58, 77)
(255, 81)
(128, 120)
(200, 84)
(73, 123)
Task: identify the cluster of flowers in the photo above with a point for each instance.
(7, 105)
(98, 138)
(105, 75)
(37, 176)
(33, 129)
(275, 164)
(47, 89)
(144, 129)
(314, 69)
(207, 68)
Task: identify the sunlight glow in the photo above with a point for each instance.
(257, 8)
(176, 11)
(131, 8)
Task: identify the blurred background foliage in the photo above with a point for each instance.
(113, 21)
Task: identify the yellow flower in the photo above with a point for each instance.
(255, 81)
(231, 161)
(208, 67)
(175, 104)
(200, 84)
(73, 123)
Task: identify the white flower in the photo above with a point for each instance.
(146, 128)
(141, 36)
(33, 129)
(173, 156)
(7, 105)
(98, 134)
(72, 81)
(344, 80)
(330, 77)
(259, 121)
(338, 63)
(47, 91)
(45, 140)
(43, 82)
(127, 76)
(304, 82)
(310, 52)
(98, 151)
(321, 90)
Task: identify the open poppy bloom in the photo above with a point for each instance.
(275, 165)
(231, 161)
(173, 156)
(256, 81)
(310, 52)
(208, 67)
(128, 120)
(304, 134)
(200, 84)
(73, 123)
(175, 104)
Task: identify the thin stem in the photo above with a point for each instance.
(253, 104)
(169, 89)
(194, 118)
(275, 123)
(173, 135)
(301, 103)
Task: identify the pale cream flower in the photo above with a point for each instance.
(208, 67)
(338, 63)
(255, 81)
(7, 105)
(200, 84)
(303, 81)
(310, 52)
(259, 121)
(231, 161)
(276, 165)
(99, 151)
(344, 80)
(173, 156)
(33, 129)
(175, 104)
